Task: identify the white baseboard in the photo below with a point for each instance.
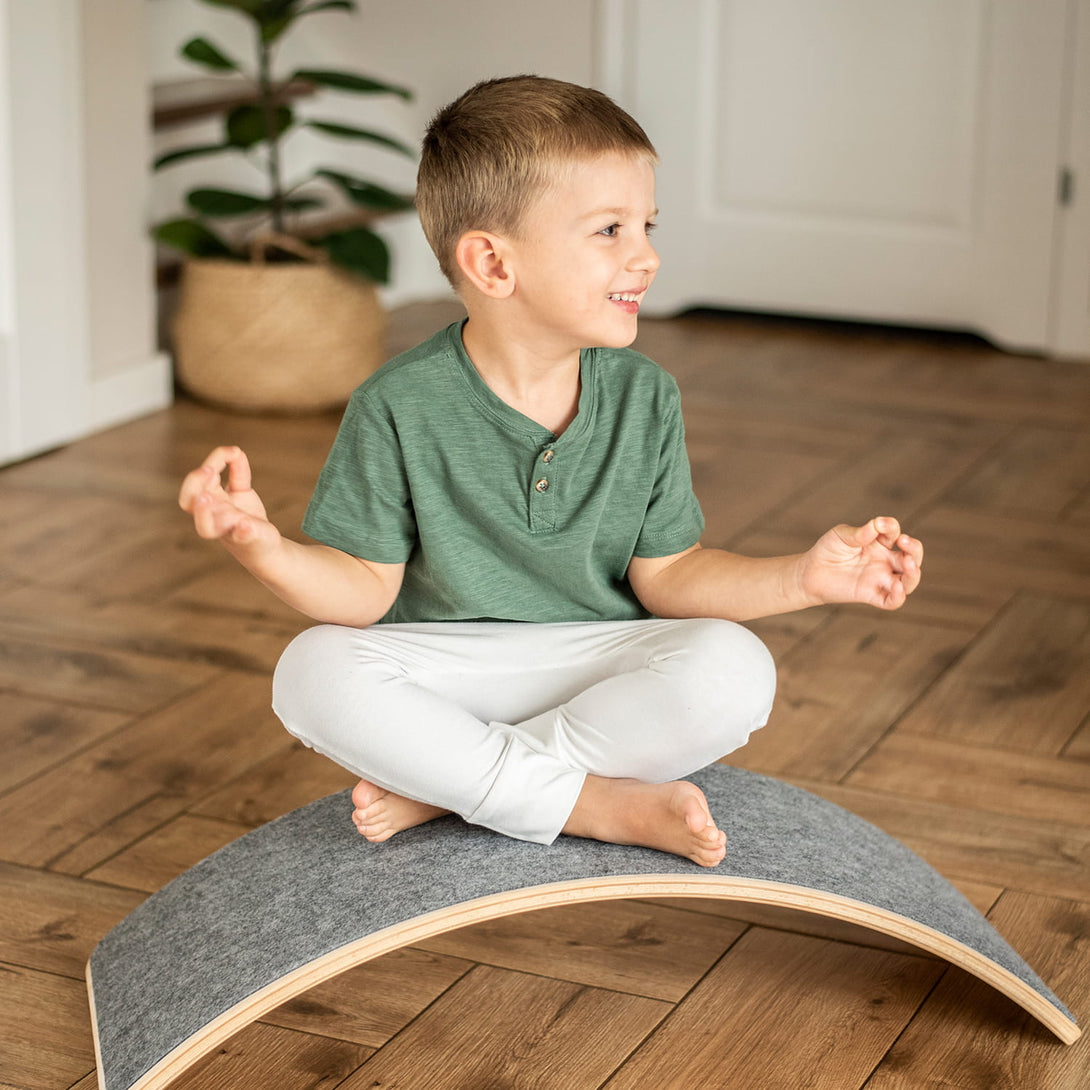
(135, 391)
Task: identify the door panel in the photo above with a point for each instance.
(866, 159)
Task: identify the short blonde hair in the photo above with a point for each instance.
(491, 152)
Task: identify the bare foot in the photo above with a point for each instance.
(672, 817)
(380, 813)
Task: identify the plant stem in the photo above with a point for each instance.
(268, 108)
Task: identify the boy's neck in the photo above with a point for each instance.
(540, 384)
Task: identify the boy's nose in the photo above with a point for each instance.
(646, 258)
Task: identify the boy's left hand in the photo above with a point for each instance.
(875, 564)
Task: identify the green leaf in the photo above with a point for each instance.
(272, 30)
(350, 132)
(190, 153)
(272, 10)
(192, 237)
(346, 81)
(229, 202)
(302, 204)
(276, 16)
(204, 52)
(325, 5)
(244, 7)
(246, 125)
(367, 194)
(225, 202)
(360, 251)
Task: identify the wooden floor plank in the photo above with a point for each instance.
(805, 1014)
(290, 778)
(756, 480)
(781, 634)
(625, 946)
(838, 692)
(977, 776)
(782, 918)
(208, 634)
(864, 486)
(47, 1041)
(70, 671)
(372, 1002)
(1045, 857)
(501, 1029)
(39, 541)
(261, 1057)
(986, 554)
(1024, 685)
(177, 755)
(147, 563)
(225, 588)
(1079, 747)
(970, 1037)
(165, 853)
(1037, 472)
(40, 733)
(51, 923)
(915, 372)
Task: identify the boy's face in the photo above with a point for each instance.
(583, 260)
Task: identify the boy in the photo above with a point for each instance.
(520, 625)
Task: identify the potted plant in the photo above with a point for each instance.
(278, 311)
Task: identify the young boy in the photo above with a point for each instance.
(520, 625)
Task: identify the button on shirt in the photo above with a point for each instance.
(494, 516)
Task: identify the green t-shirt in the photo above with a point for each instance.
(495, 516)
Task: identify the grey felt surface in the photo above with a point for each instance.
(307, 884)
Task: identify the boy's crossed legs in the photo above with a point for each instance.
(531, 729)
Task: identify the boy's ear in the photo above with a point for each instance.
(485, 263)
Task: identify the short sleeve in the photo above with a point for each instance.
(361, 503)
(673, 521)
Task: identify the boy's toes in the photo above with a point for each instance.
(365, 793)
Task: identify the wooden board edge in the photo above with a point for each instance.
(99, 1068)
(577, 891)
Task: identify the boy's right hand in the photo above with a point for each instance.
(233, 514)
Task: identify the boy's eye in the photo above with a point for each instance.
(614, 229)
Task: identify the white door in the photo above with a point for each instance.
(887, 160)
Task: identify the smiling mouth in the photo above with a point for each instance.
(624, 296)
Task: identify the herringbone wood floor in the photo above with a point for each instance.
(137, 738)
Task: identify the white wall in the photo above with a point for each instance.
(437, 48)
(76, 301)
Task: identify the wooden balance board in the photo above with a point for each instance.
(305, 898)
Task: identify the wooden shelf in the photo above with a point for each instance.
(178, 102)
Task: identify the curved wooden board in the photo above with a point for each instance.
(305, 898)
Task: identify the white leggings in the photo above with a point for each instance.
(501, 722)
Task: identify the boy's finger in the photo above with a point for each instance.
(239, 476)
(204, 516)
(234, 461)
(195, 484)
(887, 530)
(910, 546)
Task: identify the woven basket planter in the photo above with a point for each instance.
(280, 338)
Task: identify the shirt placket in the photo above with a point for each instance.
(543, 491)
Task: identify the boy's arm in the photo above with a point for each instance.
(324, 583)
(874, 564)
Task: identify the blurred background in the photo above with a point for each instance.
(918, 164)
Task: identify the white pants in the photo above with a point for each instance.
(501, 722)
